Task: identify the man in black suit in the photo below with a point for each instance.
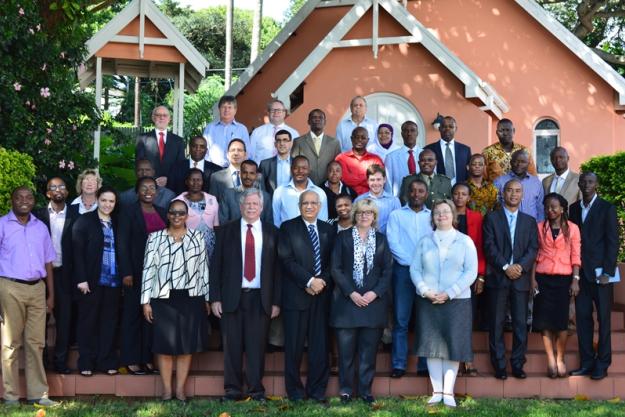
(452, 157)
(510, 247)
(229, 208)
(304, 250)
(58, 216)
(598, 225)
(161, 147)
(277, 169)
(197, 159)
(245, 293)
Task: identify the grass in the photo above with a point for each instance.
(385, 407)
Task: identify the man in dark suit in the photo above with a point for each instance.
(598, 225)
(277, 169)
(197, 159)
(317, 146)
(245, 293)
(510, 247)
(452, 156)
(229, 206)
(304, 250)
(58, 216)
(161, 147)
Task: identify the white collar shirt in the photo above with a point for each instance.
(57, 222)
(257, 232)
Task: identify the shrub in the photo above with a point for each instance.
(16, 169)
(609, 170)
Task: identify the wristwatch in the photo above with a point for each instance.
(576, 277)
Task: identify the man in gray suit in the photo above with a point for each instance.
(229, 177)
(563, 181)
(276, 170)
(229, 206)
(319, 148)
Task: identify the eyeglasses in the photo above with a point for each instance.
(365, 213)
(442, 212)
(310, 203)
(161, 114)
(177, 213)
(277, 111)
(57, 187)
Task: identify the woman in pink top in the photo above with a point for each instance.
(203, 208)
(555, 278)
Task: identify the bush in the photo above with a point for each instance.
(16, 169)
(609, 170)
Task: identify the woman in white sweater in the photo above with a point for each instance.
(443, 269)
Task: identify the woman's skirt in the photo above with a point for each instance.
(551, 305)
(180, 324)
(444, 330)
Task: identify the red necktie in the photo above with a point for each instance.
(249, 267)
(161, 144)
(412, 167)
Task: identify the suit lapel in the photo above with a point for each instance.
(308, 140)
(503, 220)
(139, 218)
(567, 183)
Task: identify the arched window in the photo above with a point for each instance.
(546, 137)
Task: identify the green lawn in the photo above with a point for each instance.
(113, 407)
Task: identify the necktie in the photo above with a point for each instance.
(194, 164)
(412, 167)
(317, 142)
(161, 144)
(236, 179)
(450, 170)
(249, 266)
(559, 183)
(273, 136)
(512, 227)
(316, 250)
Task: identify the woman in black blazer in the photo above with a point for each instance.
(136, 222)
(94, 241)
(361, 268)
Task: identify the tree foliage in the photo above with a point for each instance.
(600, 24)
(16, 170)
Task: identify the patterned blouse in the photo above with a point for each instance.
(497, 160)
(484, 198)
(174, 265)
(108, 274)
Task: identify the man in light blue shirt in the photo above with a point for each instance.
(286, 197)
(386, 202)
(263, 137)
(219, 133)
(358, 107)
(398, 163)
(406, 226)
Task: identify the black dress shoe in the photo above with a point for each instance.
(231, 397)
(519, 373)
(501, 374)
(345, 398)
(598, 374)
(260, 398)
(397, 373)
(581, 372)
(62, 371)
(138, 371)
(368, 399)
(423, 372)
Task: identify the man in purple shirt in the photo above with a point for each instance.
(26, 257)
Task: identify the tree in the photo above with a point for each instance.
(294, 6)
(600, 24)
(228, 58)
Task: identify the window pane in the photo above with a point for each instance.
(547, 124)
(544, 146)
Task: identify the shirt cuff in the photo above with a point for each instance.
(309, 282)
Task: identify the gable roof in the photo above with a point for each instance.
(583, 52)
(142, 9)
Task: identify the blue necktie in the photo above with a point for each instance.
(316, 250)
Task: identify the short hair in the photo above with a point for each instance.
(299, 157)
(333, 162)
(20, 188)
(451, 205)
(504, 120)
(83, 174)
(227, 99)
(365, 203)
(461, 184)
(375, 169)
(585, 174)
(250, 162)
(316, 111)
(142, 161)
(519, 152)
(141, 181)
(450, 118)
(194, 171)
(275, 100)
(283, 132)
(351, 103)
(305, 193)
(162, 106)
(249, 192)
(414, 180)
(343, 197)
(510, 181)
(475, 156)
(558, 148)
(241, 141)
(107, 189)
(174, 201)
(360, 128)
(56, 177)
(198, 137)
(410, 122)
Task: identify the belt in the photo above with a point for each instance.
(21, 281)
(249, 289)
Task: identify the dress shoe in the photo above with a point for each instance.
(501, 374)
(137, 371)
(259, 398)
(519, 373)
(598, 374)
(436, 398)
(449, 400)
(581, 372)
(422, 372)
(397, 373)
(368, 399)
(345, 398)
(231, 397)
(63, 371)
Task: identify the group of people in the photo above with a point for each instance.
(281, 237)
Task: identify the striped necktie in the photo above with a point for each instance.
(316, 250)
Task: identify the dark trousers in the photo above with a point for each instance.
(245, 330)
(97, 324)
(497, 300)
(601, 296)
(63, 317)
(136, 338)
(300, 326)
(358, 343)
